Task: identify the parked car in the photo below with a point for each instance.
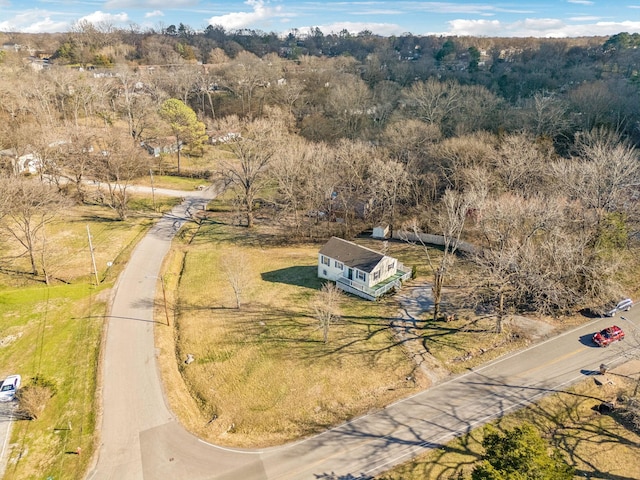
(9, 388)
(622, 306)
(607, 336)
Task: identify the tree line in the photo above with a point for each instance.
(543, 178)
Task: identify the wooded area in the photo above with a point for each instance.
(526, 148)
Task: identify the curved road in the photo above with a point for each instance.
(141, 438)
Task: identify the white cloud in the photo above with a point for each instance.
(155, 13)
(33, 21)
(581, 2)
(475, 28)
(155, 4)
(101, 17)
(585, 18)
(538, 27)
(464, 8)
(262, 13)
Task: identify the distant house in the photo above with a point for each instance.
(218, 137)
(360, 270)
(27, 163)
(159, 146)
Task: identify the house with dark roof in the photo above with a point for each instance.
(360, 270)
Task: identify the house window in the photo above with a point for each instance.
(326, 261)
(339, 265)
(361, 275)
(391, 265)
(324, 272)
(376, 275)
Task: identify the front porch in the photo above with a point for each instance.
(375, 292)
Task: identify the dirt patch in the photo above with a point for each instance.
(531, 328)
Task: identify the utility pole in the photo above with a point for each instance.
(93, 258)
(153, 194)
(164, 296)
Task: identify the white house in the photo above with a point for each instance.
(360, 270)
(27, 163)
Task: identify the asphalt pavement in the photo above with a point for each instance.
(141, 438)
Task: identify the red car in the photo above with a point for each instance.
(609, 335)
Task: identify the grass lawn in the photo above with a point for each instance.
(172, 182)
(598, 446)
(55, 331)
(263, 371)
(262, 374)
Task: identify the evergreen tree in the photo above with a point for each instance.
(520, 454)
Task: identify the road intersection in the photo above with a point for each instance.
(142, 439)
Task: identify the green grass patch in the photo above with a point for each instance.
(55, 332)
(172, 182)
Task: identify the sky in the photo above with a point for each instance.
(497, 18)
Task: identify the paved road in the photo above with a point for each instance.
(7, 416)
(141, 438)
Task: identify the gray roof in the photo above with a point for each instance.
(351, 255)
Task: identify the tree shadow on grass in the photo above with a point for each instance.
(300, 276)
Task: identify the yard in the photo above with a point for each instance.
(261, 373)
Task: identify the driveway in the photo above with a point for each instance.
(141, 438)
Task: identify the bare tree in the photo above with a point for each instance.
(528, 257)
(349, 105)
(138, 103)
(455, 156)
(450, 221)
(29, 206)
(521, 164)
(245, 75)
(253, 151)
(235, 268)
(607, 164)
(74, 158)
(326, 307)
(433, 101)
(116, 164)
(291, 169)
(546, 114)
(390, 182)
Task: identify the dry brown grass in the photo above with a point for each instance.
(262, 374)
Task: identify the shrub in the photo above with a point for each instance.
(33, 398)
